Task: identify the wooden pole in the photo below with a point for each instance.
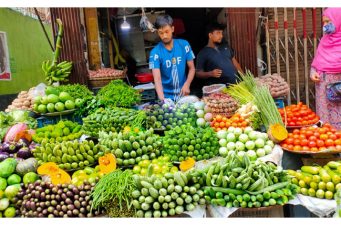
(305, 48)
(314, 30)
(298, 98)
(287, 52)
(277, 43)
(267, 36)
(111, 57)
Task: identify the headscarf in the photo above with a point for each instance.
(328, 54)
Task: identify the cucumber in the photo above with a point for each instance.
(149, 200)
(136, 194)
(178, 179)
(146, 184)
(153, 192)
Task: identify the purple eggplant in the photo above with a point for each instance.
(24, 153)
(3, 156)
(24, 142)
(5, 147)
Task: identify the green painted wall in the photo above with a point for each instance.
(27, 47)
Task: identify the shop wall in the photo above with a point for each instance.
(27, 46)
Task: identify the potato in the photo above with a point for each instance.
(27, 103)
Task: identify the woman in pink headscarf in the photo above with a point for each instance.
(326, 67)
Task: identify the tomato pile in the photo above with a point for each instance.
(299, 115)
(223, 123)
(313, 139)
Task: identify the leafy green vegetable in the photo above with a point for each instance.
(75, 90)
(89, 106)
(119, 94)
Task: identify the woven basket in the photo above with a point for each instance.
(96, 82)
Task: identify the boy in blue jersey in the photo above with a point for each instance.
(168, 61)
(216, 63)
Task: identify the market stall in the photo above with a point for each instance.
(76, 154)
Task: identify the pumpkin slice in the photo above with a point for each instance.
(48, 168)
(187, 164)
(107, 163)
(60, 177)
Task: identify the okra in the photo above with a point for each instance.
(227, 190)
(270, 188)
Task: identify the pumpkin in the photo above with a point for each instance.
(48, 168)
(107, 163)
(60, 177)
(187, 164)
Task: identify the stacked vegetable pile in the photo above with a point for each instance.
(159, 167)
(165, 196)
(237, 182)
(55, 101)
(10, 179)
(105, 72)
(221, 104)
(119, 94)
(131, 147)
(88, 174)
(113, 193)
(313, 139)
(167, 117)
(277, 85)
(112, 119)
(24, 101)
(69, 155)
(20, 149)
(187, 141)
(244, 141)
(298, 115)
(223, 123)
(43, 199)
(62, 131)
(316, 181)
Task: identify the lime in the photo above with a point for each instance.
(294, 180)
(330, 186)
(9, 212)
(316, 178)
(313, 185)
(311, 192)
(320, 193)
(304, 191)
(322, 185)
(329, 195)
(302, 184)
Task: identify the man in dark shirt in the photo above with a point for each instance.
(215, 62)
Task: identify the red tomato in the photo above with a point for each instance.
(320, 143)
(292, 124)
(296, 131)
(312, 138)
(312, 144)
(290, 147)
(337, 142)
(304, 142)
(322, 148)
(333, 137)
(305, 148)
(314, 149)
(317, 134)
(323, 136)
(290, 141)
(309, 133)
(297, 142)
(297, 148)
(329, 142)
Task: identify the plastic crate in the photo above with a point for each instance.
(148, 95)
(279, 103)
(47, 120)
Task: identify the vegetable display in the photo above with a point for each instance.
(77, 91)
(277, 85)
(159, 167)
(105, 72)
(221, 104)
(43, 199)
(62, 131)
(223, 123)
(244, 141)
(298, 115)
(54, 102)
(113, 193)
(24, 101)
(69, 155)
(187, 141)
(10, 180)
(132, 147)
(313, 139)
(167, 117)
(238, 182)
(112, 119)
(169, 195)
(318, 181)
(119, 94)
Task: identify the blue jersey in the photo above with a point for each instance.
(172, 65)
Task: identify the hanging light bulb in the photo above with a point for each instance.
(125, 25)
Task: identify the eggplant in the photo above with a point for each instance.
(24, 153)
(24, 142)
(5, 147)
(3, 156)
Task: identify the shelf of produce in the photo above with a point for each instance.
(327, 151)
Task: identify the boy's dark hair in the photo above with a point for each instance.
(163, 20)
(213, 27)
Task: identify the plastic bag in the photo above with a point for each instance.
(39, 90)
(145, 24)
